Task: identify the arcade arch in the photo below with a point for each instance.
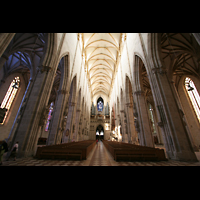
(143, 90)
(58, 96)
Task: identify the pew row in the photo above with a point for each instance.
(129, 152)
(69, 151)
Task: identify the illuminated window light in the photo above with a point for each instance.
(49, 117)
(193, 95)
(10, 95)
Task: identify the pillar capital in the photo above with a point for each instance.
(4, 56)
(139, 93)
(62, 92)
(43, 68)
(73, 103)
(160, 70)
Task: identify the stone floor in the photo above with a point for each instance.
(98, 157)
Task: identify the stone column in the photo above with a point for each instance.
(124, 126)
(145, 135)
(68, 130)
(75, 135)
(177, 143)
(5, 39)
(27, 131)
(81, 125)
(3, 59)
(57, 117)
(132, 132)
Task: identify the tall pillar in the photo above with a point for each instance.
(68, 129)
(5, 39)
(57, 118)
(176, 139)
(145, 135)
(26, 132)
(3, 59)
(132, 132)
(81, 125)
(75, 135)
(124, 127)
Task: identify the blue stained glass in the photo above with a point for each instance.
(100, 106)
(49, 116)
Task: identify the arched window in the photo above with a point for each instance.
(100, 104)
(193, 95)
(49, 116)
(10, 95)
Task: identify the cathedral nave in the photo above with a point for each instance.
(135, 88)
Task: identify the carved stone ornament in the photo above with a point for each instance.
(67, 132)
(44, 116)
(63, 124)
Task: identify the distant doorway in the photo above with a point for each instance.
(99, 133)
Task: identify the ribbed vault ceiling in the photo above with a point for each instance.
(101, 52)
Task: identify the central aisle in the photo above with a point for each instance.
(100, 156)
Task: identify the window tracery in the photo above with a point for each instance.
(10, 95)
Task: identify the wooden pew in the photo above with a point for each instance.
(129, 152)
(73, 150)
(42, 141)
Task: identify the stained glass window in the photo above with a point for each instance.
(194, 96)
(49, 116)
(100, 104)
(10, 95)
